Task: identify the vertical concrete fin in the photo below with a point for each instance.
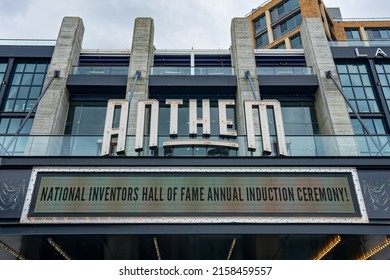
(331, 110)
(142, 54)
(50, 118)
(243, 60)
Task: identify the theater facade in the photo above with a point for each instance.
(194, 154)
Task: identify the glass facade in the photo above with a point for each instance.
(26, 86)
(383, 70)
(86, 118)
(358, 87)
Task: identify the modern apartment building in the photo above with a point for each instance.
(240, 153)
(276, 24)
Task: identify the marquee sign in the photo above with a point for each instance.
(187, 195)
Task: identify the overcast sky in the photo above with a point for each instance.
(179, 24)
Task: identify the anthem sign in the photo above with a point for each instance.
(119, 132)
(188, 195)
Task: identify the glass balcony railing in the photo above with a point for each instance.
(100, 70)
(284, 71)
(26, 42)
(192, 71)
(358, 43)
(297, 146)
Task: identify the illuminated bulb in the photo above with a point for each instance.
(375, 250)
(329, 247)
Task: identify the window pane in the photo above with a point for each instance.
(359, 93)
(23, 92)
(34, 92)
(41, 68)
(344, 79)
(4, 125)
(27, 79)
(20, 106)
(38, 79)
(352, 68)
(342, 69)
(12, 92)
(356, 81)
(363, 106)
(9, 106)
(366, 80)
(16, 79)
(369, 93)
(30, 68)
(383, 80)
(20, 67)
(348, 92)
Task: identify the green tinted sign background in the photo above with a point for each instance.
(194, 194)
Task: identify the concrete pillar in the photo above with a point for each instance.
(268, 19)
(243, 59)
(50, 118)
(331, 110)
(141, 59)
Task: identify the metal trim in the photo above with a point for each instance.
(201, 142)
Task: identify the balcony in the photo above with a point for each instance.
(100, 70)
(297, 146)
(192, 71)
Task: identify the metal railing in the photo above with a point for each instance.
(100, 70)
(297, 146)
(26, 42)
(357, 43)
(362, 19)
(284, 70)
(192, 71)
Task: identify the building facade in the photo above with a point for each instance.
(194, 154)
(276, 24)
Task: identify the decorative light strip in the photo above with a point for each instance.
(329, 247)
(232, 248)
(375, 250)
(157, 248)
(10, 251)
(58, 248)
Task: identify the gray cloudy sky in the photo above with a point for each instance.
(178, 23)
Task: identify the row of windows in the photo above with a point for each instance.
(372, 34)
(296, 43)
(283, 9)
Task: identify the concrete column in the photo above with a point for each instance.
(331, 110)
(243, 59)
(269, 26)
(141, 59)
(50, 118)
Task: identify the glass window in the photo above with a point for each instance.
(378, 33)
(26, 84)
(358, 87)
(262, 40)
(260, 24)
(383, 70)
(3, 68)
(284, 9)
(296, 42)
(352, 34)
(287, 25)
